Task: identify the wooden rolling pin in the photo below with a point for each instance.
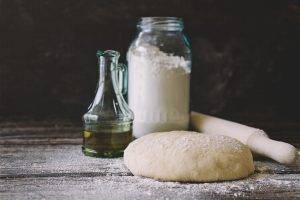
(257, 140)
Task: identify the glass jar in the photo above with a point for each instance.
(159, 64)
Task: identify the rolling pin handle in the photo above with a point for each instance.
(280, 151)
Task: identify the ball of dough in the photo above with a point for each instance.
(188, 157)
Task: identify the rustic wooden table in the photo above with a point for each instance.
(45, 162)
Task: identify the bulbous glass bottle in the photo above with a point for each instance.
(108, 122)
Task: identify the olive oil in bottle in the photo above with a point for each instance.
(106, 140)
(108, 122)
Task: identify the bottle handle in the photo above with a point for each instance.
(122, 79)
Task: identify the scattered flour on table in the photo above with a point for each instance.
(111, 177)
(260, 182)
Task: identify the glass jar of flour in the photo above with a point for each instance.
(159, 63)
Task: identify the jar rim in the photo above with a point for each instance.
(161, 23)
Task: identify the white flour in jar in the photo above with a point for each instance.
(158, 90)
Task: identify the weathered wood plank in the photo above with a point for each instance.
(32, 168)
(40, 135)
(56, 160)
(61, 171)
(67, 160)
(49, 133)
(131, 187)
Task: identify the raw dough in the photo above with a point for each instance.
(188, 157)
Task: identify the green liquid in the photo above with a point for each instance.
(106, 140)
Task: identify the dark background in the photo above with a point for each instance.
(245, 55)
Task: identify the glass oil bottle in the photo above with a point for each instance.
(108, 122)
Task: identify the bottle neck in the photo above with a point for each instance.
(160, 24)
(107, 60)
(109, 104)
